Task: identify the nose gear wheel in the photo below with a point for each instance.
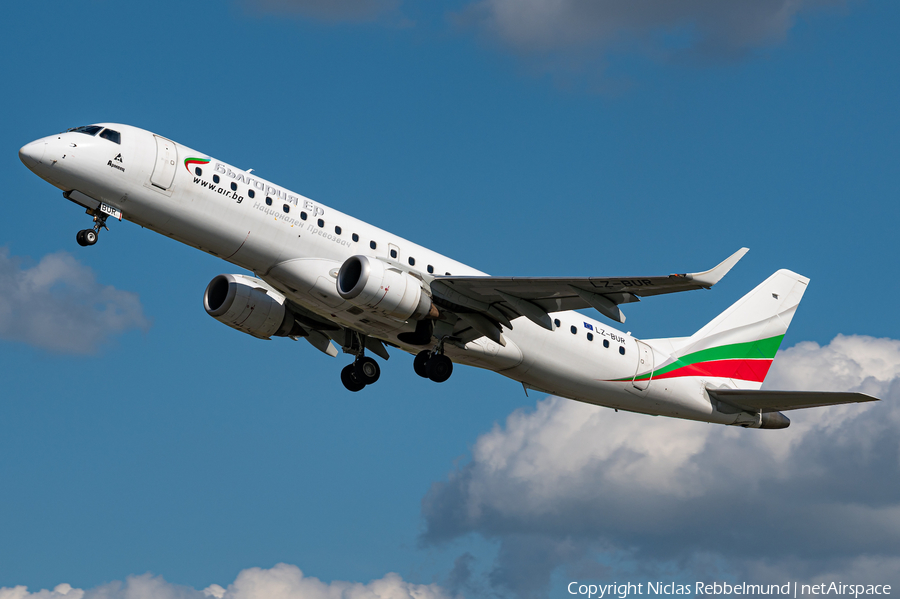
(87, 237)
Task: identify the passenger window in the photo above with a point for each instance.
(606, 343)
(286, 208)
(590, 336)
(112, 136)
(268, 201)
(251, 193)
(573, 329)
(234, 186)
(302, 216)
(215, 178)
(448, 274)
(198, 171)
(321, 223)
(555, 320)
(355, 237)
(373, 245)
(430, 269)
(393, 253)
(412, 261)
(337, 230)
(621, 350)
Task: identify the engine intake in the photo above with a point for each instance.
(250, 306)
(371, 284)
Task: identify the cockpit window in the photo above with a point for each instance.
(113, 136)
(88, 129)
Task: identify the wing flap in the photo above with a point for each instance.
(780, 401)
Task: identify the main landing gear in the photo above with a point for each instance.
(88, 237)
(364, 370)
(433, 364)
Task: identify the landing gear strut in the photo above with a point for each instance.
(433, 364)
(87, 237)
(364, 370)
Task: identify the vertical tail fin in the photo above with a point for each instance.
(741, 342)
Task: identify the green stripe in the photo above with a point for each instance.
(762, 348)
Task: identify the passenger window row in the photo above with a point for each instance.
(590, 336)
(320, 222)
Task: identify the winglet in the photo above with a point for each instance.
(714, 275)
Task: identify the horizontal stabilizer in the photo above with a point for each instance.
(752, 400)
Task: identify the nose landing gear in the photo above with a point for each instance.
(433, 364)
(87, 237)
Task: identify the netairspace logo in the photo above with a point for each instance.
(794, 590)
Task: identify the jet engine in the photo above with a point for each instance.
(250, 306)
(372, 284)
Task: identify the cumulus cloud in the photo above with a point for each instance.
(280, 582)
(62, 591)
(566, 36)
(327, 10)
(57, 304)
(591, 490)
(707, 27)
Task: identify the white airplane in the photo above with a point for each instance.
(329, 278)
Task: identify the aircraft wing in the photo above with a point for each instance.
(502, 299)
(780, 401)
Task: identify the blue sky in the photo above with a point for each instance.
(521, 139)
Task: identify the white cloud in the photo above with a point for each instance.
(709, 27)
(570, 36)
(280, 582)
(62, 591)
(568, 480)
(288, 582)
(848, 362)
(57, 304)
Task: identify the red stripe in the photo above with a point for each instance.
(745, 370)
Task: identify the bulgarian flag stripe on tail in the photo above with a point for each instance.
(749, 361)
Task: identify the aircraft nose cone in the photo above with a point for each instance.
(32, 154)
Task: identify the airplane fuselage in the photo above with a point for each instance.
(297, 246)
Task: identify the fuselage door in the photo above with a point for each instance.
(166, 161)
(644, 366)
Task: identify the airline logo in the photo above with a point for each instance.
(189, 161)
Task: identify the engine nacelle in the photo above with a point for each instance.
(248, 305)
(372, 284)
